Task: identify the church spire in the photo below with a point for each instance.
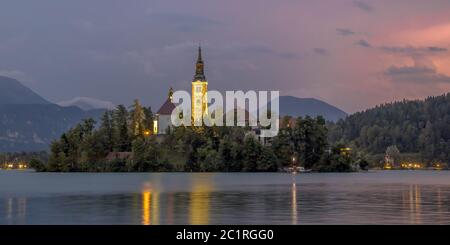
(199, 58)
(199, 67)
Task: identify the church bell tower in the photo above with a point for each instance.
(199, 98)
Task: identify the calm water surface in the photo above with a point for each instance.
(384, 197)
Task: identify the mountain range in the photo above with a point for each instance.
(28, 122)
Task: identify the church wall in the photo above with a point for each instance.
(164, 121)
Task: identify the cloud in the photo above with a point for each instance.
(363, 6)
(345, 32)
(363, 43)
(320, 51)
(423, 71)
(411, 50)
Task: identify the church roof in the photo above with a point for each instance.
(166, 108)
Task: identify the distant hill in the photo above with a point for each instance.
(86, 103)
(293, 106)
(416, 126)
(13, 92)
(33, 127)
(29, 122)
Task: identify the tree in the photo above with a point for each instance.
(37, 165)
(310, 140)
(427, 141)
(148, 121)
(146, 155)
(139, 158)
(120, 122)
(267, 162)
(226, 156)
(107, 131)
(137, 126)
(208, 158)
(283, 144)
(336, 161)
(251, 151)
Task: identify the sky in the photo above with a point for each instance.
(353, 54)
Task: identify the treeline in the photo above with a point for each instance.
(301, 141)
(10, 157)
(421, 127)
(84, 147)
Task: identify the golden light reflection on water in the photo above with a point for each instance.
(413, 201)
(200, 200)
(155, 209)
(146, 204)
(150, 207)
(294, 203)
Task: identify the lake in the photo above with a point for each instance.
(378, 197)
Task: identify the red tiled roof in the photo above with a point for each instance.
(166, 108)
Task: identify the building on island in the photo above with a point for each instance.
(199, 96)
(162, 120)
(199, 100)
(199, 105)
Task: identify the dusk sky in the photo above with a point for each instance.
(353, 54)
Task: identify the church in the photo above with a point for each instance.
(199, 100)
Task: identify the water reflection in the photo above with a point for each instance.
(146, 206)
(412, 202)
(200, 200)
(294, 201)
(16, 210)
(150, 207)
(232, 199)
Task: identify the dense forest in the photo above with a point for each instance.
(419, 128)
(127, 135)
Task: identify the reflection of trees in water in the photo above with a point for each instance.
(202, 203)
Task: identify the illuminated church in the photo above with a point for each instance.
(199, 100)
